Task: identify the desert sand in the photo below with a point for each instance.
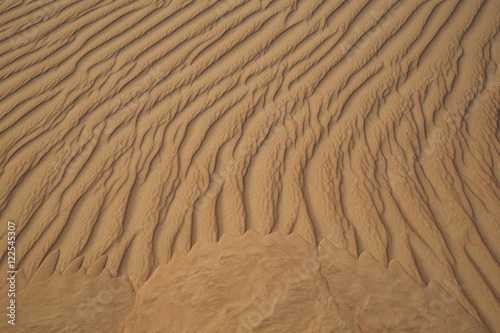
(250, 165)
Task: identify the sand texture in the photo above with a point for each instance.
(251, 165)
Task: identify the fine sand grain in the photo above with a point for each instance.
(251, 165)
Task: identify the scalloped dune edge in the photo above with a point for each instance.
(270, 283)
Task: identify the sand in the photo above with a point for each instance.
(251, 165)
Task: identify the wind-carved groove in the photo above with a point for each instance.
(134, 130)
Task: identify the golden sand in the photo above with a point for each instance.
(251, 165)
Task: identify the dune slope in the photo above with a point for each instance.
(131, 130)
(250, 283)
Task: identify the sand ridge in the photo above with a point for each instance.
(131, 130)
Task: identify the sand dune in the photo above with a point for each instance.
(132, 130)
(242, 284)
